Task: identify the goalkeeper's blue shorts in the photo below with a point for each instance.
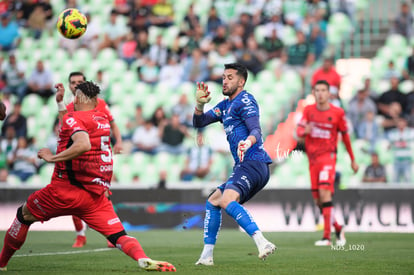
(248, 178)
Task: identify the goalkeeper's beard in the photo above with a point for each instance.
(230, 91)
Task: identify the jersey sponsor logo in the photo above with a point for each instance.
(98, 118)
(100, 181)
(105, 168)
(14, 229)
(217, 111)
(229, 129)
(320, 133)
(71, 121)
(113, 221)
(104, 126)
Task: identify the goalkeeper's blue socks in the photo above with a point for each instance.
(212, 224)
(242, 217)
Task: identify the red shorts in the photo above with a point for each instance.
(61, 198)
(322, 174)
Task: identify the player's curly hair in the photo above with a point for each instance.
(89, 91)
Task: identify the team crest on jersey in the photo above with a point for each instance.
(217, 111)
(329, 118)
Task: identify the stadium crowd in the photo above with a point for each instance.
(167, 47)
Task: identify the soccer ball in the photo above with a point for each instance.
(71, 23)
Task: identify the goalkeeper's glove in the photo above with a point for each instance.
(243, 146)
(202, 96)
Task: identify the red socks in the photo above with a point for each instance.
(78, 223)
(131, 247)
(327, 212)
(14, 239)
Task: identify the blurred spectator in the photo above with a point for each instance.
(345, 6)
(159, 118)
(275, 23)
(13, 72)
(24, 159)
(375, 172)
(390, 120)
(48, 10)
(146, 138)
(391, 71)
(327, 72)
(52, 139)
(198, 162)
(162, 14)
(367, 87)
(139, 15)
(246, 21)
(191, 20)
(15, 120)
(23, 11)
(196, 40)
(213, 21)
(91, 38)
(196, 67)
(358, 107)
(37, 21)
(102, 81)
(113, 32)
(401, 140)
(158, 52)
(143, 45)
(390, 96)
(171, 73)
(273, 45)
(216, 59)
(184, 110)
(72, 4)
(252, 57)
(9, 33)
(236, 38)
(403, 23)
(318, 38)
(40, 81)
(301, 55)
(219, 37)
(408, 71)
(122, 7)
(368, 129)
(135, 121)
(149, 71)
(8, 143)
(172, 136)
(128, 49)
(318, 6)
(294, 11)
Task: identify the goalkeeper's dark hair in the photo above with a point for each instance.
(241, 70)
(76, 74)
(89, 89)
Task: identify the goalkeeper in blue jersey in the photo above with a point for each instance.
(239, 114)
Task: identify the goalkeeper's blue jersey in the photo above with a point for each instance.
(233, 113)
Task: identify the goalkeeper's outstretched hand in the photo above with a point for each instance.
(202, 95)
(244, 145)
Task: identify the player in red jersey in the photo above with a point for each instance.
(76, 78)
(79, 182)
(319, 127)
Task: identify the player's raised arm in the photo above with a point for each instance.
(60, 93)
(201, 119)
(80, 145)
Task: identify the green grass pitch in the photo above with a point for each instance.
(235, 253)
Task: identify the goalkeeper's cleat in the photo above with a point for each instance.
(109, 244)
(152, 265)
(266, 249)
(340, 237)
(80, 241)
(323, 242)
(205, 261)
(3, 268)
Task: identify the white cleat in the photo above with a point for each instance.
(323, 242)
(205, 261)
(266, 249)
(340, 237)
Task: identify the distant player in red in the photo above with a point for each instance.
(319, 127)
(82, 175)
(76, 78)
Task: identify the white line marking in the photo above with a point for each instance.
(65, 252)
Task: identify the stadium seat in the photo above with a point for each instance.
(29, 104)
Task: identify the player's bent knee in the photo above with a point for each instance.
(114, 237)
(23, 215)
